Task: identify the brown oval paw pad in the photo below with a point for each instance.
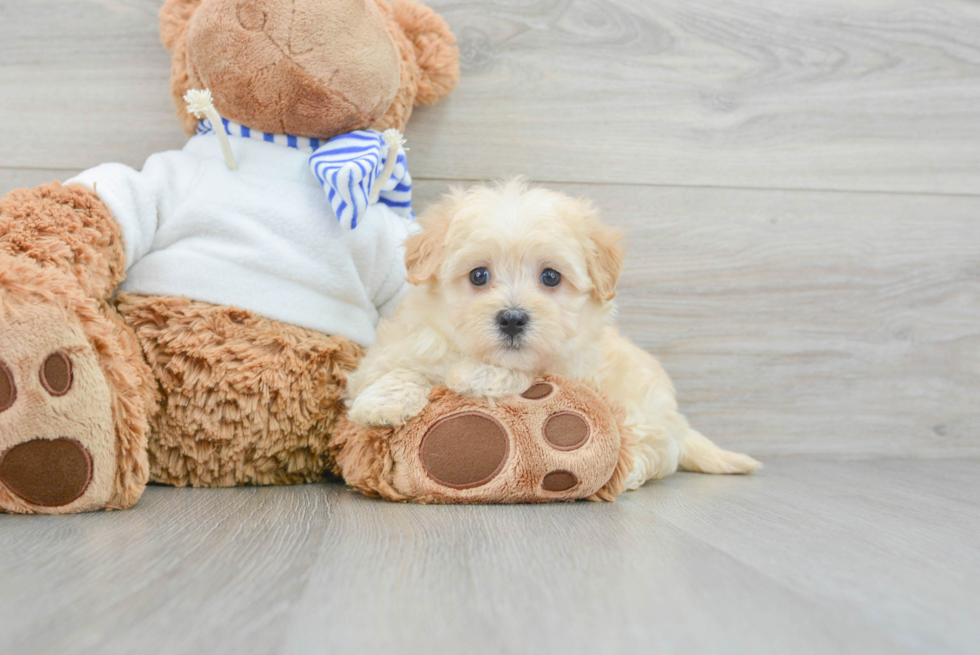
(48, 473)
(566, 431)
(56, 375)
(559, 481)
(464, 450)
(8, 390)
(537, 391)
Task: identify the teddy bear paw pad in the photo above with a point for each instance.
(464, 450)
(566, 431)
(559, 481)
(538, 391)
(47, 472)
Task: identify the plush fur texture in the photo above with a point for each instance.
(270, 65)
(243, 399)
(386, 461)
(446, 330)
(67, 228)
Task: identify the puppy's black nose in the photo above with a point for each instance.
(512, 321)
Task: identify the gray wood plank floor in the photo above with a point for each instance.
(809, 556)
(801, 185)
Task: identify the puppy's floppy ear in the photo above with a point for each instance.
(603, 253)
(604, 256)
(424, 250)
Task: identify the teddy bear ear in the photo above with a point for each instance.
(435, 49)
(175, 18)
(175, 23)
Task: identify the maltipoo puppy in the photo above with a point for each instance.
(513, 282)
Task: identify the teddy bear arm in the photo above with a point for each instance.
(66, 227)
(140, 201)
(99, 223)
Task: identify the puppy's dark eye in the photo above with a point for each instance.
(479, 276)
(550, 277)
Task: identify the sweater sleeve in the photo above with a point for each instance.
(140, 200)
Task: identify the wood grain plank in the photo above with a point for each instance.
(759, 93)
(877, 539)
(817, 94)
(551, 579)
(185, 571)
(808, 556)
(85, 82)
(806, 322)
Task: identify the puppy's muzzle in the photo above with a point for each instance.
(512, 322)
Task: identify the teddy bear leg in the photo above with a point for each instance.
(245, 399)
(74, 392)
(559, 440)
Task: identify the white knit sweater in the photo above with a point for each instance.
(262, 238)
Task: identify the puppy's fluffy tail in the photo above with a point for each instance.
(701, 455)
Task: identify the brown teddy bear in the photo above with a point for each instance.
(193, 323)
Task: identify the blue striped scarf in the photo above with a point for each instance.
(346, 167)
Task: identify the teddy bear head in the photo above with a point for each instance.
(314, 68)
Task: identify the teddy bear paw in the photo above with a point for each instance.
(558, 440)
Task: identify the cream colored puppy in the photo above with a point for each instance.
(511, 283)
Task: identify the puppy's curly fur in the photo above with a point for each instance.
(449, 329)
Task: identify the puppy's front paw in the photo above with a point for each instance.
(378, 406)
(487, 381)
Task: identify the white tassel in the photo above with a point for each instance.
(200, 103)
(394, 140)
